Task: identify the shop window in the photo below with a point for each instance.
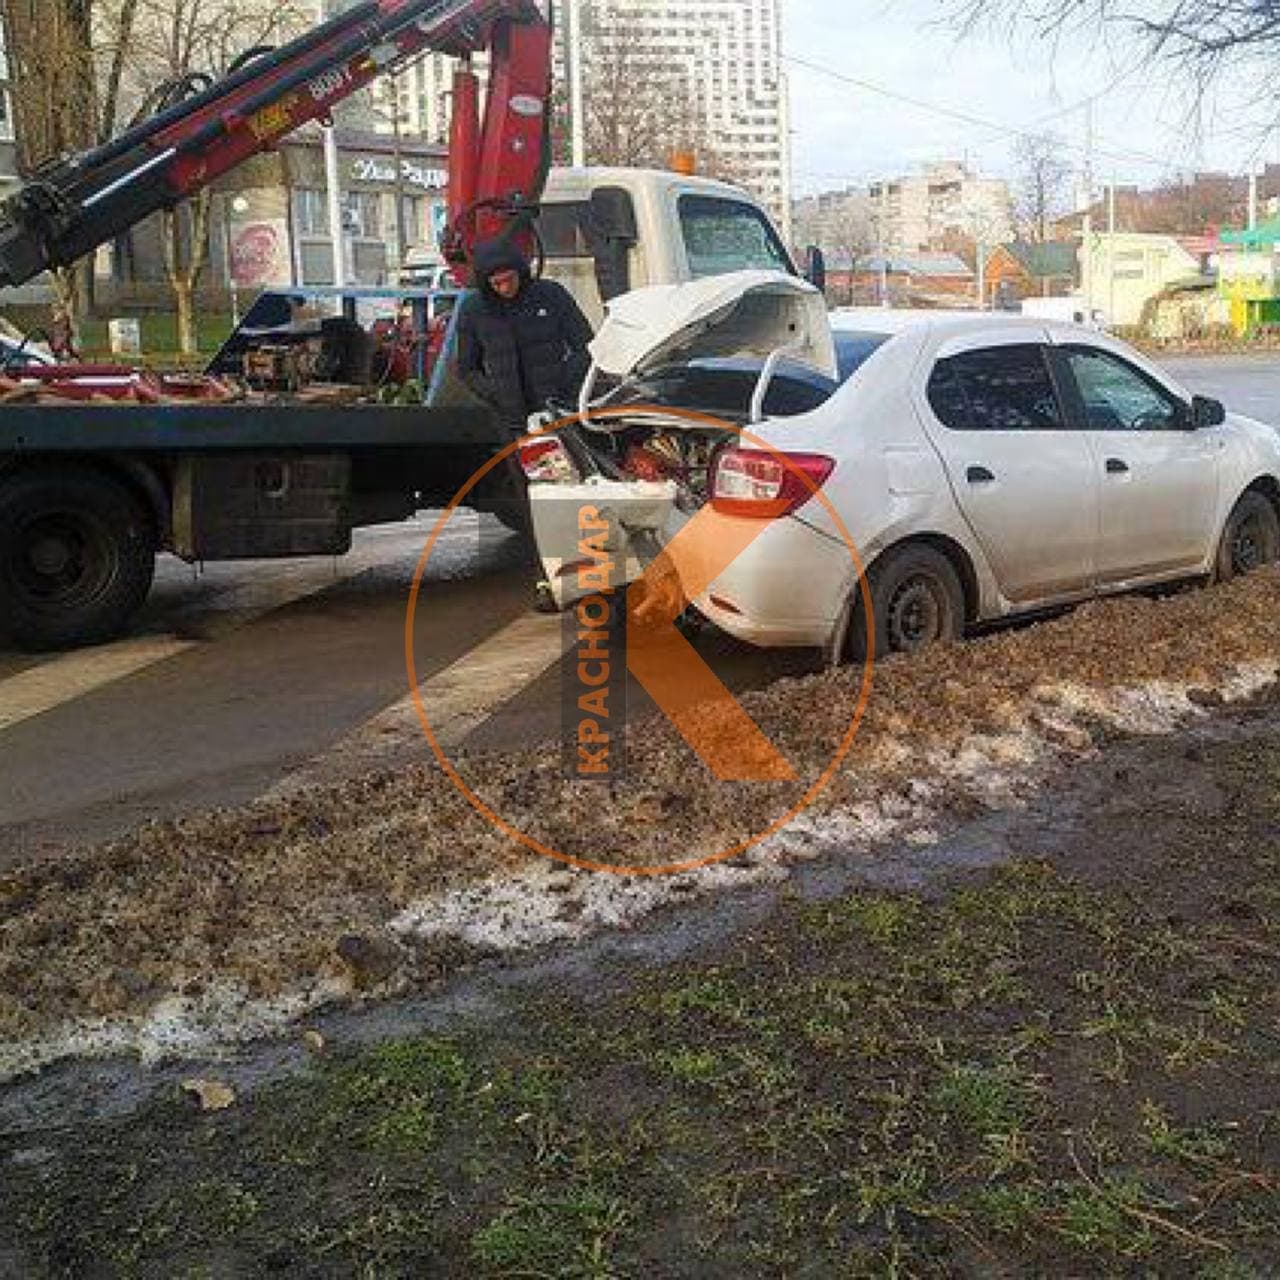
(312, 210)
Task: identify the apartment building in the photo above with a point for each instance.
(919, 212)
(838, 222)
(8, 146)
(717, 62)
(723, 59)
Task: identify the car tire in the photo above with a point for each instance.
(77, 557)
(917, 599)
(1251, 538)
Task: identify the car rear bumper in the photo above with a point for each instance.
(786, 589)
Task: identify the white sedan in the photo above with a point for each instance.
(984, 466)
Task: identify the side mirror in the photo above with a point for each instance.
(613, 214)
(815, 268)
(611, 230)
(1206, 412)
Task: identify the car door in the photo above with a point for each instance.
(1021, 472)
(1159, 477)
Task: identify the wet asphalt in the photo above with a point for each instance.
(278, 662)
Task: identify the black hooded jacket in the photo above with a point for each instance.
(518, 354)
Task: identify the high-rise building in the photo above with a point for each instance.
(719, 63)
(712, 67)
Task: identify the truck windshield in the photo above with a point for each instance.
(722, 235)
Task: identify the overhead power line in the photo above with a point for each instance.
(966, 117)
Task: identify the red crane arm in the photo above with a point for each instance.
(74, 205)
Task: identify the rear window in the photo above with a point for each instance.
(724, 387)
(562, 229)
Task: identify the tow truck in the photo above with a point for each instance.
(125, 465)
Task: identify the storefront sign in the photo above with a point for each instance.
(371, 169)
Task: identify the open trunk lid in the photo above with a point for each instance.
(756, 315)
(747, 313)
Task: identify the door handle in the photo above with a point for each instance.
(1117, 467)
(979, 475)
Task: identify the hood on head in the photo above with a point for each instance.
(746, 313)
(502, 254)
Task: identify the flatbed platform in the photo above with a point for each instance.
(212, 428)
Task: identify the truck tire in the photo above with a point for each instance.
(1251, 538)
(77, 556)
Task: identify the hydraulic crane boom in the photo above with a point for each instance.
(497, 165)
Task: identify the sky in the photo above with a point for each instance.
(1146, 125)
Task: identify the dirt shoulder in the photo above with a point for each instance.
(232, 923)
(1066, 1065)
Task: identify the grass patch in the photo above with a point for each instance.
(1038, 1073)
(159, 337)
(984, 1101)
(569, 1236)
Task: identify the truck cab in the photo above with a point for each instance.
(606, 231)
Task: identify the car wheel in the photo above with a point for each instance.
(1251, 538)
(77, 555)
(918, 601)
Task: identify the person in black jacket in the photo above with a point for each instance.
(521, 342)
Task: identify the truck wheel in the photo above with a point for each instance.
(77, 556)
(1251, 538)
(918, 600)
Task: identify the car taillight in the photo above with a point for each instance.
(547, 462)
(753, 482)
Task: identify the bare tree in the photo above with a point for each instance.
(57, 107)
(173, 49)
(642, 110)
(1042, 176)
(1204, 36)
(1191, 207)
(637, 112)
(850, 234)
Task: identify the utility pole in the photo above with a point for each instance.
(1111, 227)
(882, 283)
(239, 206)
(1253, 196)
(978, 228)
(1086, 246)
(333, 183)
(402, 235)
(573, 51)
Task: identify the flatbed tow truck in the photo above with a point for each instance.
(102, 468)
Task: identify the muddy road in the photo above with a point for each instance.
(249, 678)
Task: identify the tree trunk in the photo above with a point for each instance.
(185, 257)
(69, 298)
(188, 332)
